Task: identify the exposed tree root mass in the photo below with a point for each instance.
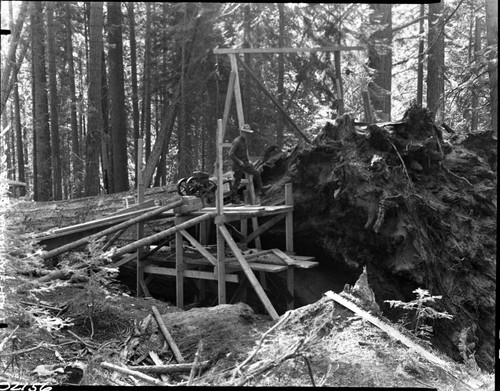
(412, 208)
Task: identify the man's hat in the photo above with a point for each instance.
(246, 128)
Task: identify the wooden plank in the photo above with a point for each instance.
(110, 230)
(219, 192)
(387, 328)
(203, 275)
(203, 251)
(259, 267)
(239, 215)
(179, 266)
(301, 258)
(249, 273)
(237, 91)
(227, 105)
(264, 227)
(168, 337)
(281, 255)
(290, 260)
(161, 235)
(221, 267)
(111, 220)
(287, 50)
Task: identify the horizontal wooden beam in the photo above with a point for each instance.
(203, 275)
(287, 50)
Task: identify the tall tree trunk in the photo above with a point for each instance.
(146, 101)
(53, 97)
(117, 98)
(17, 121)
(5, 147)
(7, 80)
(281, 76)
(435, 62)
(492, 39)
(106, 144)
(135, 95)
(42, 161)
(420, 67)
(167, 123)
(475, 97)
(75, 142)
(380, 60)
(94, 107)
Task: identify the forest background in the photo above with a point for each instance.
(82, 82)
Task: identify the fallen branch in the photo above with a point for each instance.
(41, 305)
(309, 369)
(195, 364)
(158, 361)
(56, 275)
(90, 345)
(259, 344)
(139, 375)
(40, 345)
(169, 368)
(168, 337)
(266, 366)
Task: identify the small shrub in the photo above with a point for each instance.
(422, 312)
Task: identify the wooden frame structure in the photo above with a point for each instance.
(188, 212)
(234, 84)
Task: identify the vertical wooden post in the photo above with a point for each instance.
(289, 218)
(140, 226)
(338, 78)
(179, 265)
(290, 271)
(221, 265)
(367, 106)
(219, 192)
(255, 222)
(237, 90)
(221, 251)
(229, 99)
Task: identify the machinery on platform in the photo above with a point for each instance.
(201, 185)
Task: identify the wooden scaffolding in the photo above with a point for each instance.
(200, 263)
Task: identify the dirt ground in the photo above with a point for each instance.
(59, 332)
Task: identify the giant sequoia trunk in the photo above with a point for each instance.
(416, 211)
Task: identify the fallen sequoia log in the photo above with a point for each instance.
(417, 211)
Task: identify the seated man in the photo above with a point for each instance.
(241, 163)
